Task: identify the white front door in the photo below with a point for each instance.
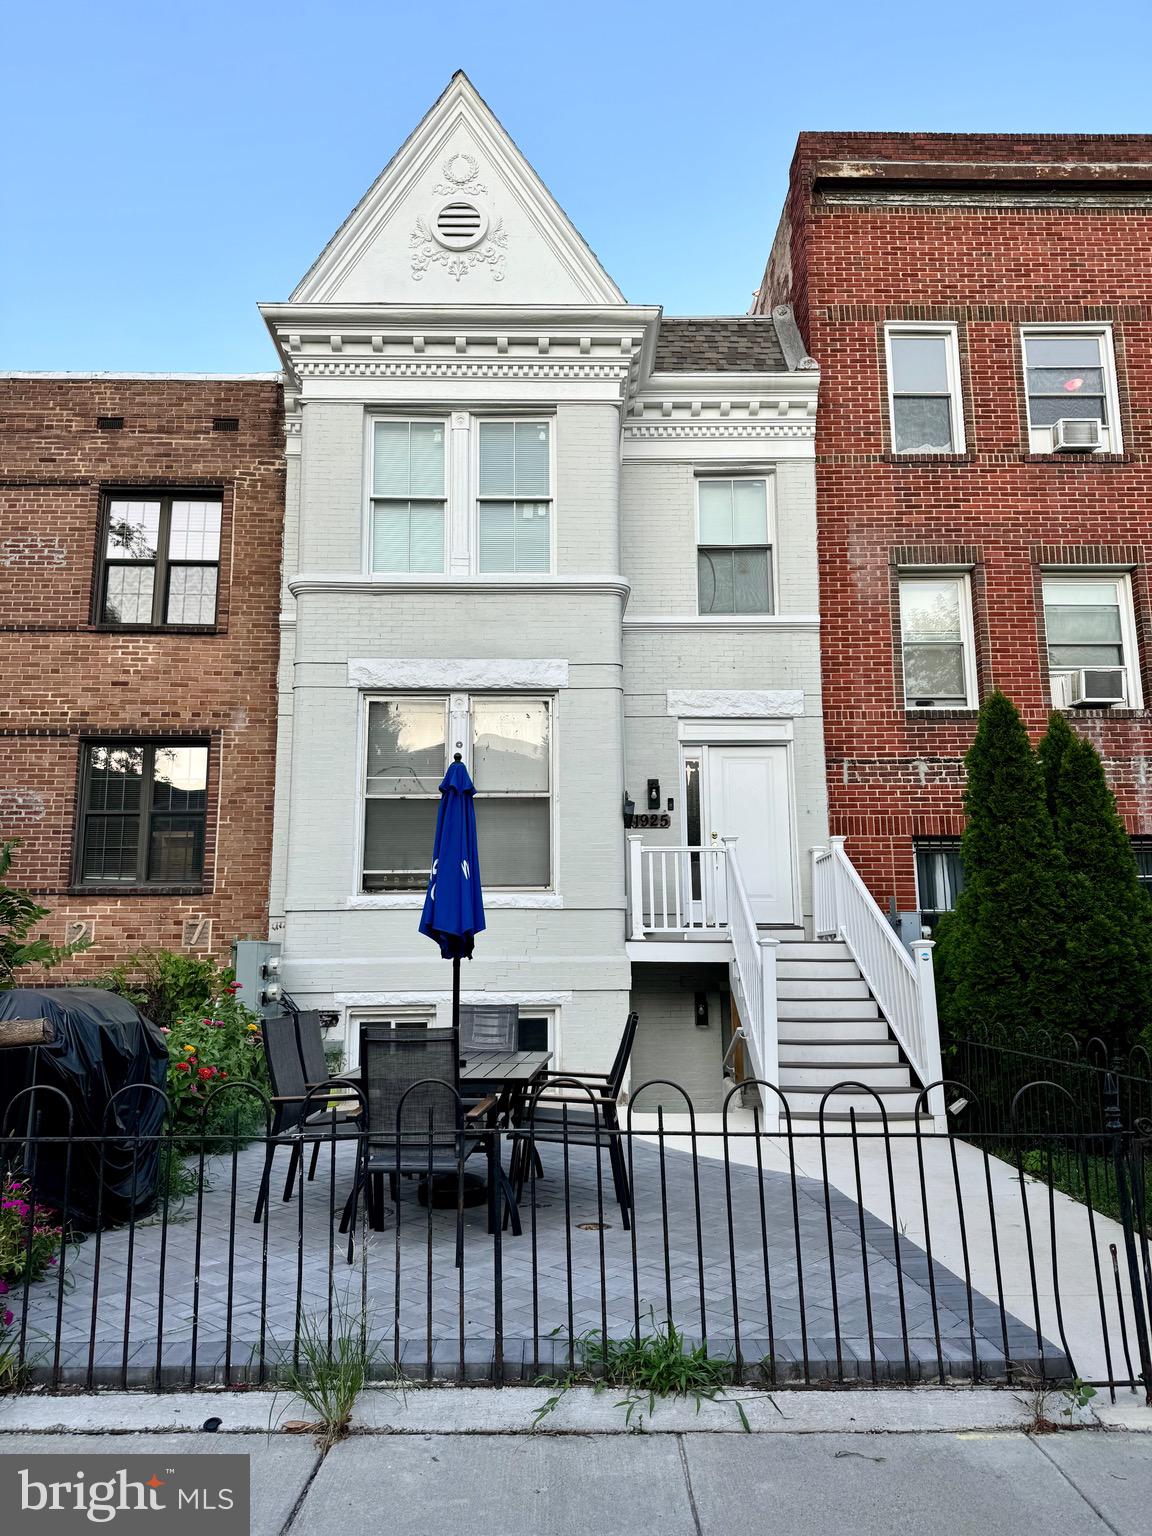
(745, 796)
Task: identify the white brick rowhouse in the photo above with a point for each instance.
(575, 541)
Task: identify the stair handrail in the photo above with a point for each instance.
(900, 979)
(754, 971)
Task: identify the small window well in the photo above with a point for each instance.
(460, 225)
(110, 423)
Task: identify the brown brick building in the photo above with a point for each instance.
(140, 538)
(981, 310)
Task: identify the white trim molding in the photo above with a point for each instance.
(736, 703)
(437, 999)
(494, 901)
(724, 623)
(406, 672)
(501, 586)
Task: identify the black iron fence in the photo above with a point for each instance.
(1053, 1082)
(829, 1252)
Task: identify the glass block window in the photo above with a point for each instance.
(924, 389)
(408, 496)
(514, 497)
(143, 813)
(160, 559)
(734, 552)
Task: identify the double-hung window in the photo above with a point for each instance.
(410, 742)
(1070, 375)
(936, 641)
(143, 807)
(734, 549)
(408, 496)
(514, 497)
(1091, 640)
(924, 403)
(160, 559)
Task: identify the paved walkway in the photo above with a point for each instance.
(1005, 1484)
(773, 1266)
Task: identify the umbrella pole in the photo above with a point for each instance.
(456, 994)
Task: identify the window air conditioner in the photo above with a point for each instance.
(1076, 434)
(1098, 685)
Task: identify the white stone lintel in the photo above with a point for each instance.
(409, 672)
(736, 703)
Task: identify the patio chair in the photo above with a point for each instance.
(418, 1125)
(488, 1027)
(300, 1114)
(582, 1108)
(310, 1041)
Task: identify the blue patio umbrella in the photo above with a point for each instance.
(454, 907)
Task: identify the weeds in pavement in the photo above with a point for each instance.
(652, 1366)
(330, 1367)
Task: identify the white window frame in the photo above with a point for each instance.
(1040, 438)
(963, 581)
(410, 418)
(1130, 649)
(948, 330)
(769, 480)
(458, 717)
(475, 422)
(461, 488)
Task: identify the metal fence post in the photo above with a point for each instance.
(1123, 1152)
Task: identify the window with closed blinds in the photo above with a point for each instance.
(734, 555)
(514, 497)
(408, 496)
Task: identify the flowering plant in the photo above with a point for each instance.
(30, 1238)
(224, 1044)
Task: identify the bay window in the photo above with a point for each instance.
(506, 742)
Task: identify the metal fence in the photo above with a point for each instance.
(1053, 1082)
(832, 1253)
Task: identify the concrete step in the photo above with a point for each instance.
(832, 1031)
(823, 1008)
(896, 1101)
(805, 949)
(814, 970)
(813, 1075)
(816, 1052)
(819, 987)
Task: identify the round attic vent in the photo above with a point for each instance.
(460, 224)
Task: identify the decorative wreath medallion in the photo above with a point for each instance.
(459, 172)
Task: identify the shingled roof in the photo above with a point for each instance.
(720, 344)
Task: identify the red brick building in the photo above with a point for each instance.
(140, 538)
(981, 310)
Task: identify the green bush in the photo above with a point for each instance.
(1107, 915)
(1001, 956)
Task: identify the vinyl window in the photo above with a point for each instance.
(1070, 374)
(936, 641)
(925, 410)
(939, 878)
(410, 742)
(143, 813)
(514, 497)
(1090, 628)
(734, 551)
(409, 496)
(160, 559)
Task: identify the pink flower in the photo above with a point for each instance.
(236, 987)
(8, 1319)
(164, 1030)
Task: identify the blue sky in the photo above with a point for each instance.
(165, 167)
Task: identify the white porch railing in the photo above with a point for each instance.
(901, 981)
(674, 889)
(681, 891)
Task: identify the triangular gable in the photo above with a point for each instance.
(457, 216)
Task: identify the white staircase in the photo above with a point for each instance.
(831, 1031)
